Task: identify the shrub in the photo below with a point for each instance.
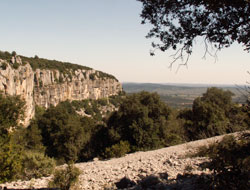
(102, 102)
(5, 55)
(230, 161)
(3, 66)
(15, 65)
(36, 165)
(13, 53)
(65, 179)
(10, 160)
(92, 76)
(117, 150)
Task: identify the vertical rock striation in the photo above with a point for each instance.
(46, 87)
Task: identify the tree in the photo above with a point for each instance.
(142, 121)
(229, 162)
(62, 131)
(10, 159)
(11, 112)
(180, 22)
(214, 114)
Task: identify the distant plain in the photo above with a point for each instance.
(182, 95)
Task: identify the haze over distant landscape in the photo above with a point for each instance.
(107, 36)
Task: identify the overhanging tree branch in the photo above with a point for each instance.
(180, 22)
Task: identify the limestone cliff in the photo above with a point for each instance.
(45, 87)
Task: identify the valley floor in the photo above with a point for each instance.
(103, 174)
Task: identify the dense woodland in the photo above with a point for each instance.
(142, 121)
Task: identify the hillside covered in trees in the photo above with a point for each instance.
(138, 122)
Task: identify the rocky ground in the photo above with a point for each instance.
(167, 163)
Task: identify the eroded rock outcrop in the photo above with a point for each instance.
(20, 82)
(45, 87)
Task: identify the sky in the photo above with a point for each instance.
(107, 35)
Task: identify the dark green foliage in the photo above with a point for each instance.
(62, 131)
(21, 149)
(97, 142)
(78, 105)
(239, 117)
(213, 114)
(13, 53)
(60, 79)
(92, 76)
(11, 111)
(102, 102)
(142, 121)
(5, 55)
(117, 150)
(36, 165)
(65, 134)
(10, 160)
(230, 161)
(180, 22)
(15, 65)
(65, 179)
(106, 75)
(116, 100)
(3, 66)
(40, 63)
(33, 138)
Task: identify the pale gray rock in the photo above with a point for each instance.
(45, 87)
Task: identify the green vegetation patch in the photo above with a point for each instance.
(230, 162)
(4, 55)
(65, 179)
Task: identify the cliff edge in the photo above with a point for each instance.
(45, 82)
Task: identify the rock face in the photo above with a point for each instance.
(46, 87)
(19, 82)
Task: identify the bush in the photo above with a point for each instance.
(230, 161)
(102, 102)
(10, 160)
(15, 65)
(5, 55)
(13, 53)
(36, 165)
(65, 179)
(3, 66)
(117, 150)
(92, 76)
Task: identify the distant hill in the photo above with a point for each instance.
(181, 95)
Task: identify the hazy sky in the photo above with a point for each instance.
(107, 35)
